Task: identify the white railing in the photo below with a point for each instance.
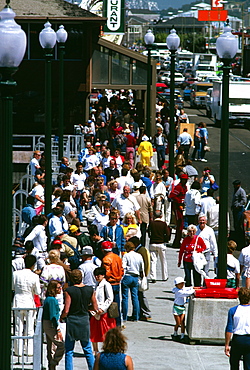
(35, 361)
(72, 143)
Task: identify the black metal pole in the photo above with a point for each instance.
(6, 86)
(224, 146)
(48, 171)
(172, 123)
(61, 47)
(149, 83)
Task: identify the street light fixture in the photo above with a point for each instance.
(149, 39)
(61, 37)
(173, 42)
(12, 49)
(226, 47)
(47, 39)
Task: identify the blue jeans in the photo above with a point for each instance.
(79, 208)
(130, 283)
(161, 152)
(197, 149)
(116, 292)
(69, 351)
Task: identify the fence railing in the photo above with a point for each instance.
(72, 147)
(27, 349)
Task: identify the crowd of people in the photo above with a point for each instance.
(79, 276)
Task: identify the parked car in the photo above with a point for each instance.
(161, 87)
(178, 79)
(165, 77)
(165, 96)
(189, 81)
(159, 74)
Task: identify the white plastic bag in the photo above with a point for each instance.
(143, 284)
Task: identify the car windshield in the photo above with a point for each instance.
(202, 88)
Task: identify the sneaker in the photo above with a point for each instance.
(203, 160)
(182, 336)
(175, 334)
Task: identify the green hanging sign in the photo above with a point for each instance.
(114, 11)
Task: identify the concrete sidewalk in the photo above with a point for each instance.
(150, 343)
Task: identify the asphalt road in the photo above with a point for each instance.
(239, 150)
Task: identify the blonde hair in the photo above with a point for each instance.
(231, 246)
(54, 255)
(192, 227)
(129, 214)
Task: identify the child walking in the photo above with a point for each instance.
(181, 293)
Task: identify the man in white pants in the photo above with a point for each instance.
(207, 234)
(25, 284)
(159, 235)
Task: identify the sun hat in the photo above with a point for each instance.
(178, 280)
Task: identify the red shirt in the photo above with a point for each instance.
(117, 130)
(131, 141)
(187, 247)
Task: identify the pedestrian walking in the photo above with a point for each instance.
(185, 141)
(78, 297)
(51, 325)
(159, 234)
(238, 327)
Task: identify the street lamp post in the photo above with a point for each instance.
(47, 39)
(61, 36)
(173, 42)
(12, 49)
(149, 39)
(226, 46)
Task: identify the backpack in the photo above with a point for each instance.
(74, 260)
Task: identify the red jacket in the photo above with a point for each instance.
(187, 247)
(178, 193)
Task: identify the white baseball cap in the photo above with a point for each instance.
(178, 280)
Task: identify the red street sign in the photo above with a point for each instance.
(215, 4)
(212, 15)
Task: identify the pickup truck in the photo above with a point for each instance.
(198, 94)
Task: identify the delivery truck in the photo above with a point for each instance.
(239, 102)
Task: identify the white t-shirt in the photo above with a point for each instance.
(125, 205)
(37, 190)
(233, 266)
(78, 180)
(34, 164)
(244, 257)
(192, 201)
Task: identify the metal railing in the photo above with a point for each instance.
(72, 143)
(21, 343)
(72, 147)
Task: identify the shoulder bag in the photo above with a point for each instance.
(199, 260)
(112, 311)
